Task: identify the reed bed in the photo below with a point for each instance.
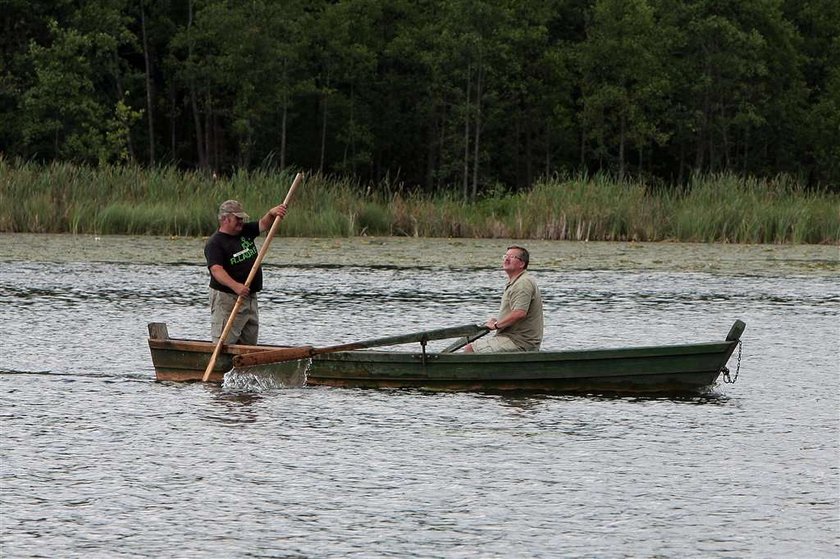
(67, 198)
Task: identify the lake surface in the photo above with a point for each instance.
(99, 460)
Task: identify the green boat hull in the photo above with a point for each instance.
(654, 369)
(649, 369)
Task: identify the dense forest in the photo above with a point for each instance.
(468, 96)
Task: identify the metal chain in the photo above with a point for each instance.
(726, 376)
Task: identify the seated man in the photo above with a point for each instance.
(519, 326)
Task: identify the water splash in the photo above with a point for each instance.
(272, 376)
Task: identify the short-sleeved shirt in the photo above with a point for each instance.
(236, 254)
(523, 294)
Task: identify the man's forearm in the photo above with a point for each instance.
(510, 319)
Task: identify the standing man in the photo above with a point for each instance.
(230, 253)
(519, 326)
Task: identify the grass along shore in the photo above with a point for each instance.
(67, 198)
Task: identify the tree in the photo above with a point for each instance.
(467, 95)
(76, 106)
(818, 27)
(738, 86)
(623, 80)
(344, 64)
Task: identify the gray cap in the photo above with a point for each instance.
(232, 207)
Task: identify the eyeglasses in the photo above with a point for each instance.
(509, 256)
(236, 217)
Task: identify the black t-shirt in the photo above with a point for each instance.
(236, 254)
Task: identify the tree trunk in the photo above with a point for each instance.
(547, 150)
(478, 78)
(529, 146)
(350, 144)
(681, 173)
(444, 121)
(701, 138)
(466, 178)
(209, 145)
(582, 148)
(622, 135)
(173, 114)
(725, 138)
(121, 95)
(284, 118)
(744, 167)
(173, 137)
(324, 124)
(641, 156)
(431, 146)
(201, 152)
(283, 124)
(710, 135)
(149, 93)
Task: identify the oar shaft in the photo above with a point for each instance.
(274, 226)
(290, 354)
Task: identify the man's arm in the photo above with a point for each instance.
(267, 220)
(221, 276)
(509, 320)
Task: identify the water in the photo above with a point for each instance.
(98, 460)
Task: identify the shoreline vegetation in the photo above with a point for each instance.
(131, 200)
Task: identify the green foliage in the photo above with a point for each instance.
(324, 222)
(450, 97)
(117, 134)
(65, 112)
(373, 219)
(624, 79)
(723, 208)
(128, 200)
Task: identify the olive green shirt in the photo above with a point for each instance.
(522, 293)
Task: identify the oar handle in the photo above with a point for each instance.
(459, 343)
(260, 255)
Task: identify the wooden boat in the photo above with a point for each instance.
(647, 369)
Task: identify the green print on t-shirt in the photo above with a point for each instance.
(249, 250)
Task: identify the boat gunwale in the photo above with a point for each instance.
(701, 348)
(582, 354)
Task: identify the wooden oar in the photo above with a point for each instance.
(303, 352)
(260, 255)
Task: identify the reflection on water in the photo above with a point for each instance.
(99, 460)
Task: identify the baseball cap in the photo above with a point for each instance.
(232, 207)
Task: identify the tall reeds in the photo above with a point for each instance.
(62, 197)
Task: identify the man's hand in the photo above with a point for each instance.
(278, 211)
(242, 290)
(268, 219)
